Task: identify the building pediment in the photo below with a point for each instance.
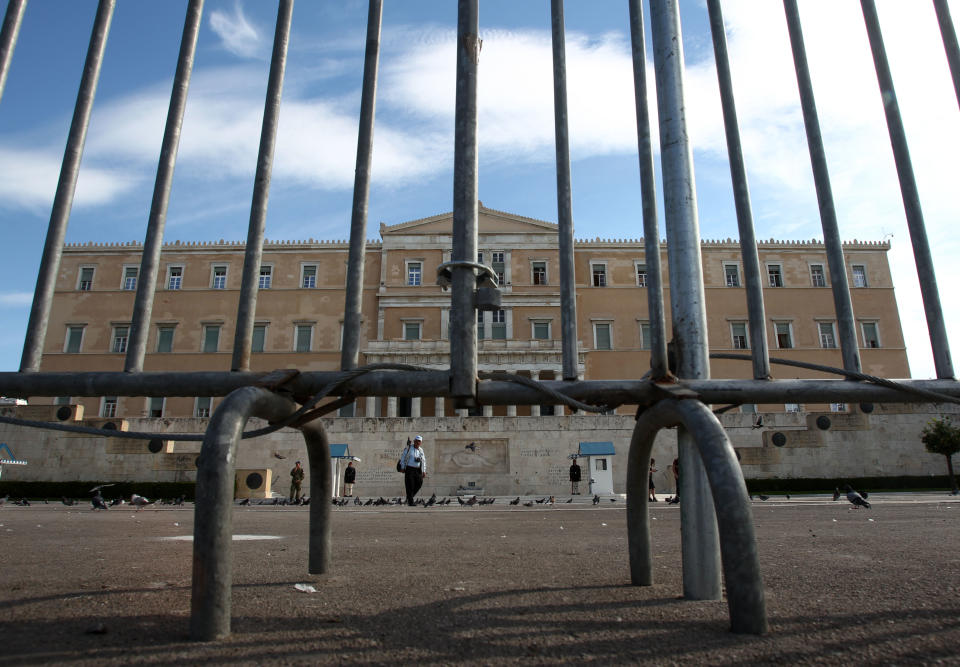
(489, 221)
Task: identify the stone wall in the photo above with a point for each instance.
(509, 456)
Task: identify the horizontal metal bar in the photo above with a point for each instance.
(491, 392)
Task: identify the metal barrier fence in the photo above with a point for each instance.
(675, 392)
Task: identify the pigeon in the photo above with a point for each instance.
(758, 422)
(763, 497)
(278, 455)
(432, 501)
(245, 501)
(369, 502)
(541, 501)
(570, 501)
(515, 501)
(472, 501)
(596, 500)
(674, 501)
(529, 504)
(855, 498)
(69, 502)
(460, 500)
(787, 496)
(472, 447)
(613, 500)
(97, 502)
(836, 493)
(357, 501)
(139, 501)
(116, 501)
(23, 502)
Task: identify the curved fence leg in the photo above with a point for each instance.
(321, 491)
(738, 544)
(638, 470)
(213, 522)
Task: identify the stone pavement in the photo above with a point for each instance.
(482, 585)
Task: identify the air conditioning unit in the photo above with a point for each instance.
(253, 482)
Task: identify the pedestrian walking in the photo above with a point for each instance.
(349, 477)
(575, 477)
(413, 463)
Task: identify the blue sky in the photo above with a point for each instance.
(311, 191)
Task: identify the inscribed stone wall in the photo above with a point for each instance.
(498, 455)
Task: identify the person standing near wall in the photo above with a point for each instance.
(652, 497)
(574, 478)
(349, 477)
(296, 482)
(413, 462)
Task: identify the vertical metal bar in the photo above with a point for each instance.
(741, 197)
(153, 242)
(8, 37)
(463, 332)
(213, 516)
(651, 228)
(568, 286)
(353, 300)
(911, 197)
(249, 286)
(321, 490)
(949, 35)
(66, 186)
(700, 542)
(821, 177)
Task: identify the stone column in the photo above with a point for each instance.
(438, 409)
(535, 409)
(392, 408)
(415, 407)
(462, 412)
(511, 410)
(487, 410)
(370, 406)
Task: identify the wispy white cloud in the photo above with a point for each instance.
(28, 180)
(15, 299)
(237, 35)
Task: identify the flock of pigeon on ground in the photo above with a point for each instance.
(97, 502)
(856, 499)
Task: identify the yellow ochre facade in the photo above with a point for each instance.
(299, 313)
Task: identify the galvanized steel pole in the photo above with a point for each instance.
(651, 227)
(66, 186)
(568, 283)
(949, 35)
(741, 198)
(463, 319)
(828, 215)
(701, 553)
(213, 516)
(250, 284)
(321, 490)
(152, 244)
(8, 37)
(353, 299)
(738, 544)
(911, 197)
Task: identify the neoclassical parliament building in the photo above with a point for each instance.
(405, 316)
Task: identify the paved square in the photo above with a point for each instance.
(482, 585)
